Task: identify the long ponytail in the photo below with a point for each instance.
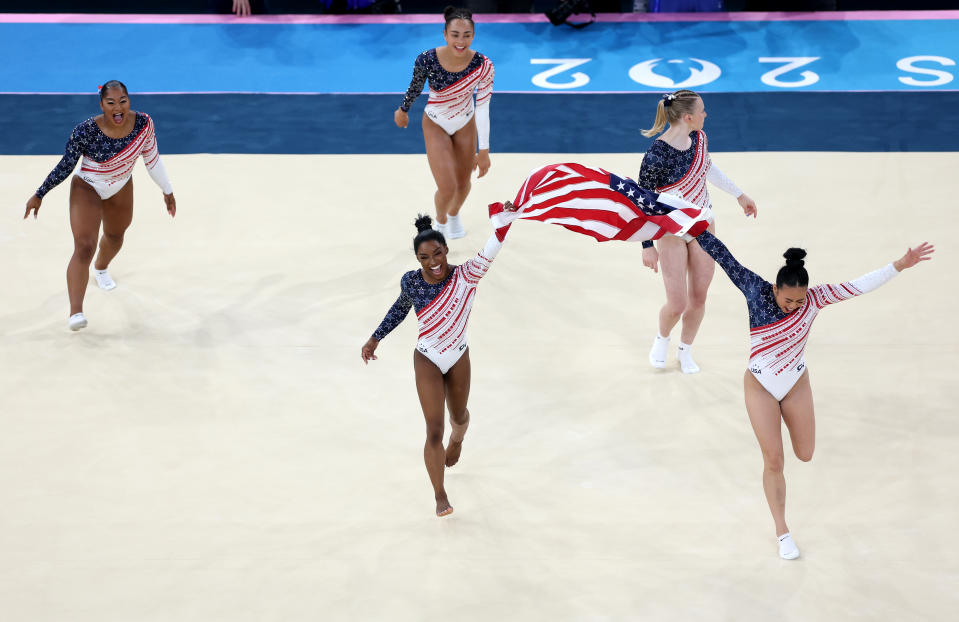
(671, 109)
(660, 123)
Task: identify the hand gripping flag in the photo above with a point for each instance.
(597, 203)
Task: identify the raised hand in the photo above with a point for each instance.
(913, 256)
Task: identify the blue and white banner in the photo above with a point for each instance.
(322, 56)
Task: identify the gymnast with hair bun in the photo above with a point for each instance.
(776, 382)
(442, 296)
(452, 124)
(102, 192)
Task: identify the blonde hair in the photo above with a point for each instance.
(671, 109)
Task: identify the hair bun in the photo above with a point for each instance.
(451, 12)
(423, 223)
(794, 257)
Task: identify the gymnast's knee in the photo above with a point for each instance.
(434, 434)
(84, 250)
(804, 454)
(774, 464)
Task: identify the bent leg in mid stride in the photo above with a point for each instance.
(431, 388)
(457, 394)
(117, 215)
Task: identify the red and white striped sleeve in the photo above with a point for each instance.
(484, 93)
(825, 295)
(474, 269)
(484, 86)
(151, 158)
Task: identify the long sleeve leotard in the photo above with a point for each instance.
(684, 173)
(442, 309)
(108, 162)
(451, 93)
(778, 339)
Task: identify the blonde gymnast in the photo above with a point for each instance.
(678, 163)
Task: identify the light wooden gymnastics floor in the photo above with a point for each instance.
(212, 448)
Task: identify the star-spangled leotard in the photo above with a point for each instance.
(442, 309)
(451, 93)
(778, 339)
(683, 172)
(108, 162)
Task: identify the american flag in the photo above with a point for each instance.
(600, 204)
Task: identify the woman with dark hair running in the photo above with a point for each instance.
(777, 381)
(678, 163)
(443, 297)
(102, 192)
(452, 125)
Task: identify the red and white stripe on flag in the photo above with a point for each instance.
(583, 199)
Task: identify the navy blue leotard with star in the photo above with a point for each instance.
(414, 292)
(88, 139)
(777, 339)
(428, 67)
(760, 300)
(664, 164)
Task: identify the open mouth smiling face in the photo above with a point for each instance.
(459, 36)
(432, 257)
(115, 106)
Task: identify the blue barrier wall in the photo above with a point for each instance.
(713, 55)
(803, 83)
(524, 123)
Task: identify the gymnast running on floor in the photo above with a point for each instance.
(450, 127)
(777, 382)
(102, 191)
(443, 297)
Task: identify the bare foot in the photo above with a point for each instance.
(443, 507)
(453, 452)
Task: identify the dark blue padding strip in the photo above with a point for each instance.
(521, 123)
